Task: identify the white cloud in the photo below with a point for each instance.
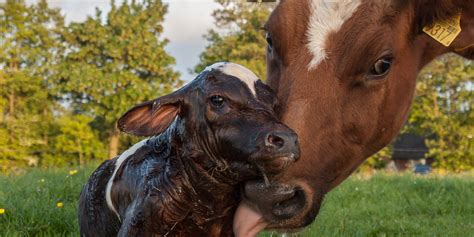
(185, 24)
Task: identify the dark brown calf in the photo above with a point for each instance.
(208, 137)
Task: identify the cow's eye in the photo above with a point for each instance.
(381, 67)
(268, 38)
(217, 101)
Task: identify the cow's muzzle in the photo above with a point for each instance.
(287, 207)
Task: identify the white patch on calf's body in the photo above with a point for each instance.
(327, 16)
(237, 70)
(118, 163)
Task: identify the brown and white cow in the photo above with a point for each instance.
(345, 74)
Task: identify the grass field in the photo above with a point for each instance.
(383, 205)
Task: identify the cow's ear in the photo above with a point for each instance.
(152, 117)
(429, 12)
(449, 23)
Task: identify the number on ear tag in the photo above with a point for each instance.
(445, 31)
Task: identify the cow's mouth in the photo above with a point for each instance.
(276, 202)
(282, 207)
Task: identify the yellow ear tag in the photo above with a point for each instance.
(445, 31)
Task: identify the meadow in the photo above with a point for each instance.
(43, 203)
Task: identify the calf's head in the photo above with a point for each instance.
(227, 115)
(345, 74)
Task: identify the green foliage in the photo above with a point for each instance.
(62, 88)
(29, 37)
(76, 141)
(115, 64)
(443, 112)
(240, 38)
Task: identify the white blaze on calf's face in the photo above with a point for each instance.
(238, 71)
(327, 16)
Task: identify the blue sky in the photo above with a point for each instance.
(185, 24)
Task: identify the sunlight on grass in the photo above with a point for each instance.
(397, 205)
(380, 205)
(41, 202)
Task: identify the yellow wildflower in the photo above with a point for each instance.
(41, 180)
(72, 172)
(59, 205)
(2, 211)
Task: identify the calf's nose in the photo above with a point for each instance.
(282, 142)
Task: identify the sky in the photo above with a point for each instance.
(185, 24)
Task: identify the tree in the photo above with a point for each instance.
(241, 39)
(76, 141)
(29, 46)
(443, 112)
(113, 65)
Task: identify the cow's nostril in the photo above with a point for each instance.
(275, 141)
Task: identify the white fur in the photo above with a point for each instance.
(118, 163)
(327, 16)
(239, 71)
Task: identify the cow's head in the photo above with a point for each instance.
(345, 71)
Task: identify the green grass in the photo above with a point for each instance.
(30, 203)
(383, 205)
(398, 205)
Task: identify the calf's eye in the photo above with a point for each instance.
(217, 101)
(381, 67)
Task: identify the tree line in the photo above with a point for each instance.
(63, 86)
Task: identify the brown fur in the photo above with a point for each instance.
(341, 116)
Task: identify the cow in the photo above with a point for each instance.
(345, 74)
(185, 180)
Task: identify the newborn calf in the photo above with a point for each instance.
(207, 138)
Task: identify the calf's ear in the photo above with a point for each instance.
(450, 24)
(152, 117)
(266, 94)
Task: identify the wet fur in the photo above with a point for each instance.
(186, 181)
(160, 191)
